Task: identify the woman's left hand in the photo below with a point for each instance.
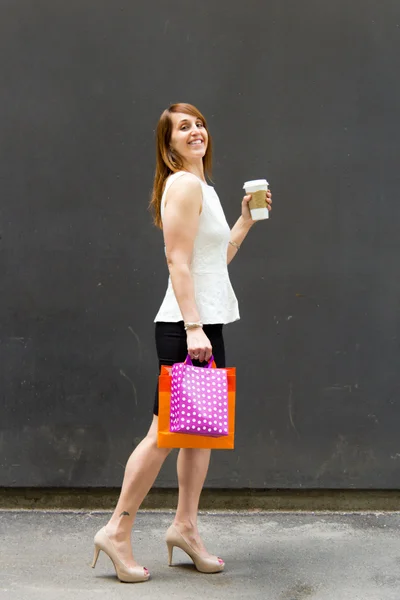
(246, 214)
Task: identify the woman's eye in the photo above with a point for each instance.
(198, 124)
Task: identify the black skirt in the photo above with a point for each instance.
(171, 347)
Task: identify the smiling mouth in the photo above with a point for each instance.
(196, 143)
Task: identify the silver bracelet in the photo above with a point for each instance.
(193, 325)
(234, 244)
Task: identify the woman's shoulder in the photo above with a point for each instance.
(183, 175)
(182, 187)
(183, 181)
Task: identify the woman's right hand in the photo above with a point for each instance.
(199, 346)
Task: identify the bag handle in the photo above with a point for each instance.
(210, 364)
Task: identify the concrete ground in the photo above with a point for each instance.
(273, 556)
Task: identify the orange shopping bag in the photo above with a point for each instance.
(166, 439)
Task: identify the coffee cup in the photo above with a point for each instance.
(258, 204)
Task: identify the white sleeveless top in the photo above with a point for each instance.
(215, 298)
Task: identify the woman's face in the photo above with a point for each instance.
(189, 137)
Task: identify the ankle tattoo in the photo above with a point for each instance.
(124, 514)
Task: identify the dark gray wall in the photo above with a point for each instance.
(304, 93)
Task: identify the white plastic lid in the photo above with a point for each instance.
(255, 183)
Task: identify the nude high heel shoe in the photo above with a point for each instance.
(204, 565)
(124, 573)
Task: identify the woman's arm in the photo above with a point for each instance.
(243, 226)
(238, 234)
(180, 224)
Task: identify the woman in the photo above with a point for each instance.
(199, 300)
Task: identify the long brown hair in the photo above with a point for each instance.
(167, 161)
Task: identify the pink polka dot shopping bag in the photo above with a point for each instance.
(196, 406)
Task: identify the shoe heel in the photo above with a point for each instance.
(95, 556)
(170, 551)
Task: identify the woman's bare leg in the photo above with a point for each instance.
(192, 471)
(141, 471)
